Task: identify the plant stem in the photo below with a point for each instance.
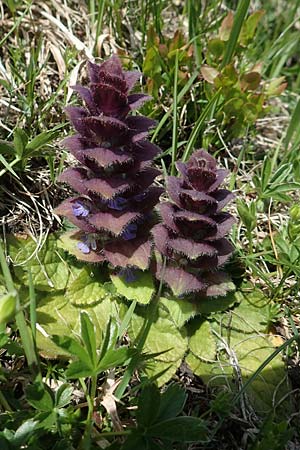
(86, 442)
(24, 331)
(141, 339)
(175, 117)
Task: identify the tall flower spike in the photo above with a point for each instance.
(192, 234)
(114, 179)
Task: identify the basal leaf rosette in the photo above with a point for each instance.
(113, 211)
(192, 235)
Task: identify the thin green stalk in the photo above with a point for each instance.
(199, 124)
(24, 331)
(114, 433)
(239, 18)
(15, 25)
(175, 116)
(86, 442)
(125, 322)
(141, 339)
(101, 6)
(181, 94)
(32, 299)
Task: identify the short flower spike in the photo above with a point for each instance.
(114, 179)
(192, 235)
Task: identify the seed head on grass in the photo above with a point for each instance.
(113, 211)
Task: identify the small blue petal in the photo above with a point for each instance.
(140, 197)
(118, 203)
(84, 248)
(129, 275)
(130, 232)
(80, 210)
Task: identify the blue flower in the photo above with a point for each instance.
(129, 275)
(80, 210)
(87, 244)
(129, 232)
(118, 203)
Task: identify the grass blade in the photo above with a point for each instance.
(239, 18)
(175, 117)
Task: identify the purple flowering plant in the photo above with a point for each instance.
(114, 208)
(192, 234)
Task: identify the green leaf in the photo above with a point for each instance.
(140, 290)
(148, 405)
(180, 310)
(242, 332)
(79, 369)
(73, 347)
(7, 307)
(24, 431)
(20, 141)
(56, 315)
(48, 266)
(40, 396)
(202, 343)
(40, 140)
(172, 402)
(180, 429)
(113, 358)
(211, 305)
(110, 337)
(63, 395)
(163, 336)
(88, 334)
(87, 288)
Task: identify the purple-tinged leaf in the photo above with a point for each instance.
(219, 284)
(202, 160)
(113, 222)
(224, 249)
(75, 144)
(105, 157)
(107, 128)
(76, 178)
(112, 66)
(87, 97)
(221, 174)
(135, 101)
(161, 236)
(191, 249)
(135, 253)
(77, 116)
(195, 225)
(109, 188)
(131, 78)
(180, 281)
(109, 100)
(146, 151)
(223, 197)
(167, 212)
(201, 179)
(140, 123)
(224, 221)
